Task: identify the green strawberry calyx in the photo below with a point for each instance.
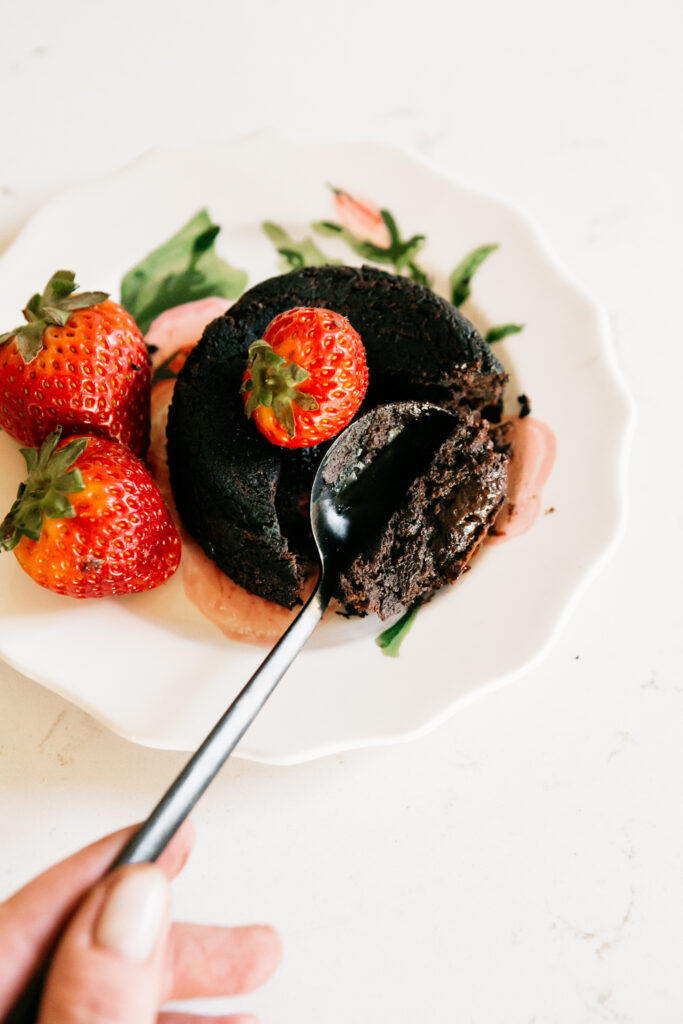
(50, 480)
(274, 383)
(52, 308)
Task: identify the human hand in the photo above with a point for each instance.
(120, 958)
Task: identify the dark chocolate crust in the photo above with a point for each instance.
(238, 495)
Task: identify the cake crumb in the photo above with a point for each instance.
(549, 511)
(524, 406)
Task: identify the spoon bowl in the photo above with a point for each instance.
(355, 493)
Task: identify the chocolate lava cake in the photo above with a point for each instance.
(245, 501)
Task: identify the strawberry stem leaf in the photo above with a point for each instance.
(30, 457)
(274, 383)
(52, 308)
(83, 300)
(50, 480)
(70, 483)
(61, 284)
(55, 316)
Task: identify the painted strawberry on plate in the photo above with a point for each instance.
(362, 218)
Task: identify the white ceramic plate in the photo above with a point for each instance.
(149, 666)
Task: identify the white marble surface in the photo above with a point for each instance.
(523, 864)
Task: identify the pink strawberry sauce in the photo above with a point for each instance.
(250, 619)
(237, 613)
(532, 460)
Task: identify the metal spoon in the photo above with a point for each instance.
(352, 499)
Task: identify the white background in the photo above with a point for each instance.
(523, 864)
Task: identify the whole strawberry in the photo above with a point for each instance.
(79, 362)
(306, 377)
(90, 521)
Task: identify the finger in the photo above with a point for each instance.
(31, 919)
(191, 1018)
(109, 965)
(207, 960)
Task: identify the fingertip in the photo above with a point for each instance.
(212, 960)
(265, 946)
(273, 941)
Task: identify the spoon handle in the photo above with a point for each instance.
(169, 814)
(175, 805)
